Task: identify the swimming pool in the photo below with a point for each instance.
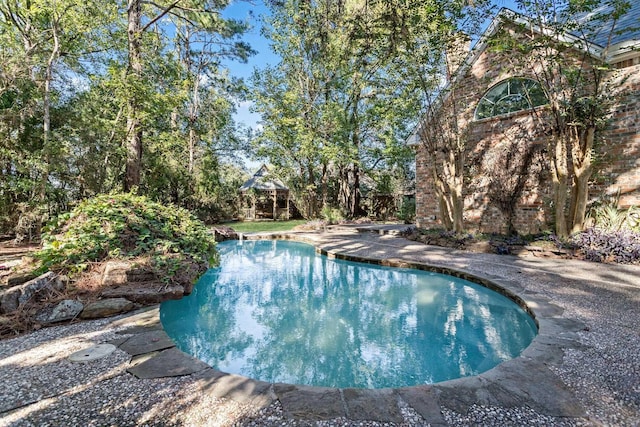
(276, 311)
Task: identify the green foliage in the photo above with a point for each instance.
(216, 195)
(332, 215)
(348, 90)
(185, 97)
(407, 212)
(122, 226)
(611, 218)
(44, 47)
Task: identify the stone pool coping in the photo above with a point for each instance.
(526, 381)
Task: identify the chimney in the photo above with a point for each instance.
(457, 50)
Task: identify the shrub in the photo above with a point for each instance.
(608, 216)
(332, 215)
(122, 226)
(407, 212)
(596, 244)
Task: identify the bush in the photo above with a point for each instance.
(609, 216)
(332, 215)
(122, 226)
(599, 245)
(407, 212)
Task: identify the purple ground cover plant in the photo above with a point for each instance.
(621, 246)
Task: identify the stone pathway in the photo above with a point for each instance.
(582, 368)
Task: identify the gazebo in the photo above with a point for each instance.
(264, 197)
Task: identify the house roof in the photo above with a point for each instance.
(262, 181)
(627, 28)
(626, 34)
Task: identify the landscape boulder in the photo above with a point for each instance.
(44, 286)
(65, 310)
(139, 283)
(222, 233)
(106, 307)
(123, 272)
(145, 293)
(16, 279)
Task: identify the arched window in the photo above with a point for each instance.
(509, 96)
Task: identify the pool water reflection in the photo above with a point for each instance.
(276, 311)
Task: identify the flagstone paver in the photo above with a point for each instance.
(168, 363)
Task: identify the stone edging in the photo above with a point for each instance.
(525, 381)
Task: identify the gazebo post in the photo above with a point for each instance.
(287, 205)
(275, 203)
(253, 207)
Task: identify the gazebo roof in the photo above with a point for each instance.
(261, 181)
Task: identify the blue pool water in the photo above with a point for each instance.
(276, 311)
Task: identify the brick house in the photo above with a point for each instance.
(505, 168)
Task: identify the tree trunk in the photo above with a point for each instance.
(457, 202)
(582, 169)
(134, 126)
(324, 181)
(456, 186)
(194, 107)
(444, 203)
(560, 200)
(559, 178)
(193, 140)
(46, 124)
(445, 212)
(311, 190)
(355, 195)
(447, 160)
(344, 194)
(580, 198)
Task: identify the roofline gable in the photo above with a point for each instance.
(262, 181)
(617, 51)
(506, 14)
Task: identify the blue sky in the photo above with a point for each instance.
(251, 11)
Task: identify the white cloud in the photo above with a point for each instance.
(245, 104)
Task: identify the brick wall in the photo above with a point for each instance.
(620, 149)
(487, 164)
(426, 201)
